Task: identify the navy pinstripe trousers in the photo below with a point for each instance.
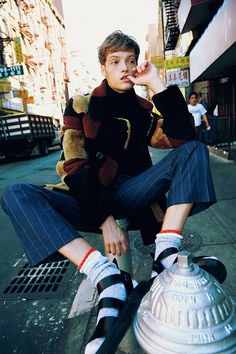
(46, 220)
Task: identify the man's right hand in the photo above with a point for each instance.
(147, 74)
(114, 238)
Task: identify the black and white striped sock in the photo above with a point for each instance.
(165, 240)
(98, 267)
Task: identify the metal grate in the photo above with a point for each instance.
(45, 281)
(191, 242)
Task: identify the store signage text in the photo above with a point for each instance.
(6, 71)
(178, 77)
(5, 87)
(169, 64)
(18, 50)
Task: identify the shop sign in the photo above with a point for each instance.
(169, 64)
(18, 50)
(22, 94)
(6, 71)
(5, 87)
(178, 77)
(15, 104)
(177, 63)
(158, 62)
(28, 100)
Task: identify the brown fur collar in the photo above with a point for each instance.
(101, 91)
(83, 103)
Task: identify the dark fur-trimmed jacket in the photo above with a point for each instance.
(95, 144)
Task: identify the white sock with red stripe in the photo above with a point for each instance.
(166, 239)
(98, 267)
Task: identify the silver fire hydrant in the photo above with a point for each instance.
(186, 311)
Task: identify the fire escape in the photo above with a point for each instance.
(4, 38)
(3, 41)
(170, 23)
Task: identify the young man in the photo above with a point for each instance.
(107, 171)
(199, 112)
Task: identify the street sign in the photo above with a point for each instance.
(6, 71)
(22, 94)
(158, 62)
(18, 50)
(5, 87)
(178, 77)
(169, 64)
(177, 63)
(28, 100)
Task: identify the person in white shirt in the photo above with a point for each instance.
(199, 113)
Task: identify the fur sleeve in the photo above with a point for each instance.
(73, 141)
(176, 127)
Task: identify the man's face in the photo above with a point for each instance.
(117, 67)
(193, 100)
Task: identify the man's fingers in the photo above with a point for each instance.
(113, 249)
(143, 67)
(118, 248)
(139, 69)
(131, 78)
(108, 248)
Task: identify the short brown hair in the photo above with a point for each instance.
(117, 41)
(193, 93)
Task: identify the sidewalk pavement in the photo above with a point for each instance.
(212, 232)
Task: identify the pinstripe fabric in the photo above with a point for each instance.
(46, 220)
(184, 172)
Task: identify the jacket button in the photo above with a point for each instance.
(99, 155)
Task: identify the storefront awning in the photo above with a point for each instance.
(225, 65)
(192, 13)
(215, 52)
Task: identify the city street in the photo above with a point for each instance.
(108, 82)
(30, 322)
(46, 322)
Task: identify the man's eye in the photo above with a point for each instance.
(114, 62)
(132, 61)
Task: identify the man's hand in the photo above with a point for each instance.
(146, 74)
(114, 238)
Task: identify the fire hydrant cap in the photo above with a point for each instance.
(186, 311)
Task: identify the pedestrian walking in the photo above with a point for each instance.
(199, 114)
(107, 173)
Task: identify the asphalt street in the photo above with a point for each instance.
(30, 322)
(60, 319)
